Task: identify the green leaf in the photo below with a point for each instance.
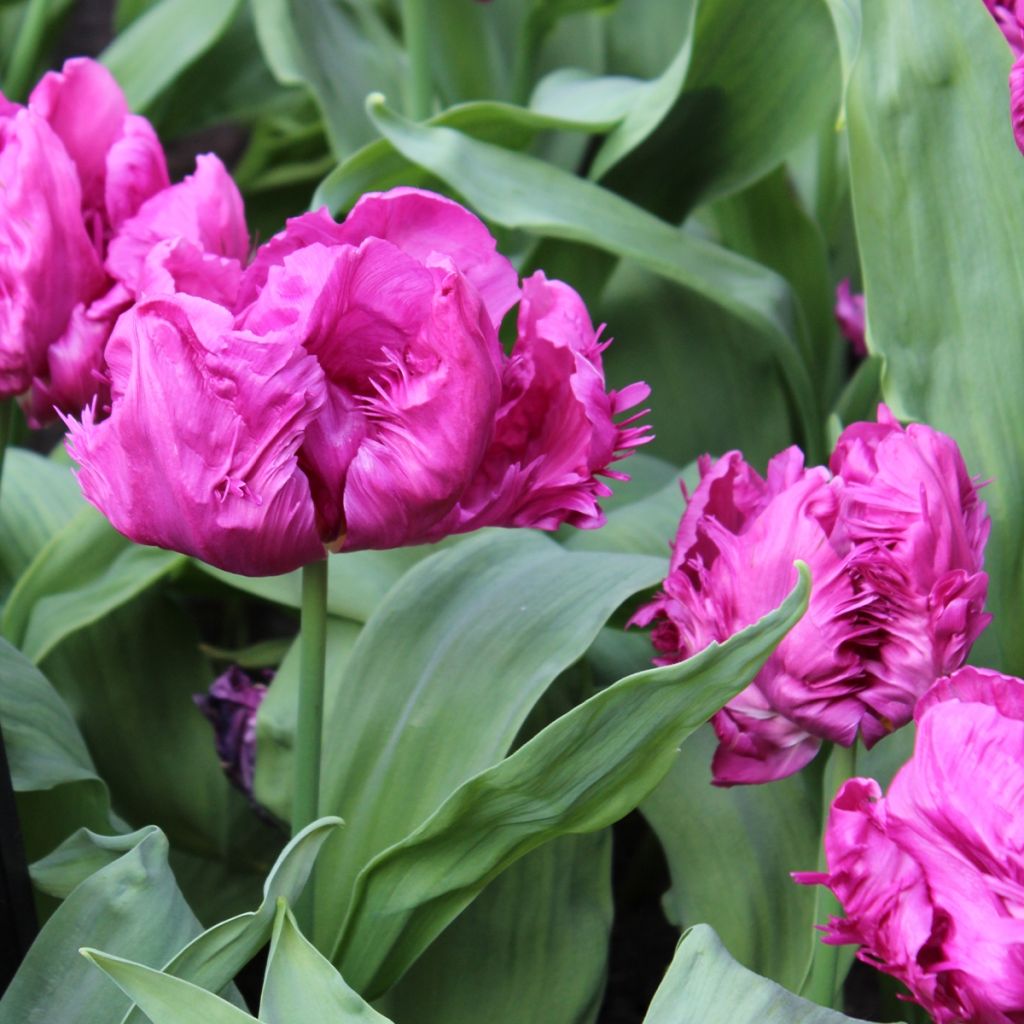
(519, 191)
(131, 906)
(327, 47)
(928, 96)
(212, 959)
(82, 854)
(85, 571)
(164, 998)
(380, 165)
(161, 43)
(704, 985)
(729, 853)
(301, 985)
(484, 627)
(755, 88)
(51, 770)
(134, 674)
(581, 773)
(532, 946)
(39, 497)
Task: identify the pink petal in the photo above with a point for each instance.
(47, 262)
(136, 170)
(199, 453)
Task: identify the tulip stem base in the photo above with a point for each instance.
(824, 984)
(309, 724)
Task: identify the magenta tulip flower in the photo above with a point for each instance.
(354, 397)
(930, 876)
(894, 538)
(75, 165)
(849, 314)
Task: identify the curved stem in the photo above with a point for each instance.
(309, 725)
(420, 98)
(26, 50)
(824, 984)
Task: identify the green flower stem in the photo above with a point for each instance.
(309, 726)
(420, 96)
(824, 984)
(26, 50)
(8, 415)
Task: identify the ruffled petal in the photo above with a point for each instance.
(199, 453)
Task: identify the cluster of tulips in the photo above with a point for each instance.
(343, 387)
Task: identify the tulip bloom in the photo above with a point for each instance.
(930, 876)
(849, 314)
(75, 166)
(353, 396)
(1008, 17)
(893, 536)
(230, 706)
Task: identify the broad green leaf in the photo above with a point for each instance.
(704, 985)
(164, 998)
(39, 497)
(161, 43)
(213, 958)
(301, 985)
(846, 16)
(380, 165)
(937, 195)
(755, 87)
(82, 854)
(133, 675)
(532, 946)
(730, 852)
(338, 52)
(455, 658)
(85, 571)
(519, 191)
(579, 774)
(644, 527)
(133, 907)
(678, 342)
(276, 718)
(51, 770)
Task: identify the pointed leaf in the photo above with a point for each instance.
(580, 774)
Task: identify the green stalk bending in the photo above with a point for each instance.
(309, 725)
(824, 985)
(420, 93)
(26, 50)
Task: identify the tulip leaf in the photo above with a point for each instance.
(704, 985)
(339, 51)
(39, 497)
(380, 165)
(520, 191)
(579, 774)
(532, 946)
(301, 985)
(729, 853)
(162, 42)
(927, 95)
(85, 571)
(51, 770)
(163, 998)
(485, 628)
(133, 907)
(82, 854)
(213, 958)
